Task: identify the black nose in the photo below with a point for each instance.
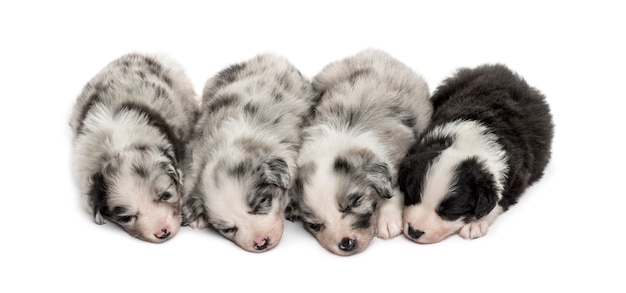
(415, 233)
(164, 235)
(265, 243)
(347, 244)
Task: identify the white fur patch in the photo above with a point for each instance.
(470, 139)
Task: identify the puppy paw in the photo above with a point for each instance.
(474, 230)
(99, 219)
(389, 225)
(197, 224)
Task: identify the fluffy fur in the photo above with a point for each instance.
(371, 110)
(489, 140)
(244, 150)
(130, 124)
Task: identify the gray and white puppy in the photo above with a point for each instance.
(372, 108)
(130, 124)
(244, 150)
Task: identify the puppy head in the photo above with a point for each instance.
(336, 199)
(444, 190)
(139, 190)
(243, 199)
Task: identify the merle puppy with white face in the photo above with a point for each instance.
(489, 140)
(244, 150)
(130, 124)
(371, 109)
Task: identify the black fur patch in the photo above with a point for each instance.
(239, 170)
(342, 166)
(363, 221)
(141, 171)
(406, 118)
(251, 108)
(98, 194)
(473, 193)
(412, 172)
(305, 171)
(156, 120)
(261, 198)
(193, 208)
(229, 74)
(91, 102)
(156, 69)
(222, 102)
(277, 172)
(516, 113)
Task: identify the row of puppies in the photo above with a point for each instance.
(361, 151)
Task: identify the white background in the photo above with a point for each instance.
(566, 233)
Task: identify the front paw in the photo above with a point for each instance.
(474, 230)
(389, 225)
(197, 224)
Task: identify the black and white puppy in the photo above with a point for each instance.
(371, 110)
(490, 139)
(130, 124)
(244, 150)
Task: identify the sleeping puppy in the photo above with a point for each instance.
(244, 150)
(130, 124)
(490, 139)
(371, 110)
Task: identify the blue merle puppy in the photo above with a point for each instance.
(244, 150)
(130, 124)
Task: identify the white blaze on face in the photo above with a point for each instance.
(320, 195)
(227, 204)
(154, 218)
(470, 140)
(322, 199)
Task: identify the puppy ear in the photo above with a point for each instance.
(486, 198)
(380, 177)
(193, 209)
(98, 194)
(481, 186)
(276, 172)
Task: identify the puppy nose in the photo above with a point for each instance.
(163, 234)
(347, 244)
(415, 233)
(262, 243)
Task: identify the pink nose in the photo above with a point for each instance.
(163, 234)
(262, 243)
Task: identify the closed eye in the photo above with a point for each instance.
(314, 227)
(165, 196)
(228, 231)
(126, 219)
(121, 215)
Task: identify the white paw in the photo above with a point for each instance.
(99, 219)
(197, 224)
(474, 230)
(389, 224)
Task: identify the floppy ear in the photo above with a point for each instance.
(380, 177)
(98, 193)
(276, 172)
(486, 198)
(177, 176)
(172, 170)
(193, 209)
(482, 186)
